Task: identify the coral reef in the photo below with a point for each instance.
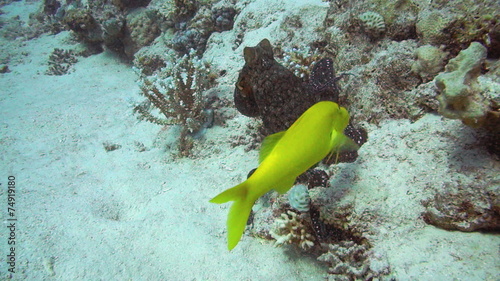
(432, 25)
(299, 199)
(195, 21)
(430, 61)
(121, 26)
(127, 26)
(456, 26)
(60, 62)
(184, 10)
(141, 28)
(177, 93)
(223, 18)
(372, 23)
(188, 39)
(290, 228)
(85, 26)
(130, 4)
(149, 64)
(461, 95)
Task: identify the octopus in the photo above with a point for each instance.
(268, 90)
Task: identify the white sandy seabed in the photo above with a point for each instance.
(87, 214)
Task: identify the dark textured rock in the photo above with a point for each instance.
(314, 178)
(141, 29)
(50, 7)
(80, 21)
(469, 209)
(130, 4)
(268, 90)
(185, 40)
(223, 18)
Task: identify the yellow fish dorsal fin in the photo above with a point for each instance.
(268, 144)
(341, 120)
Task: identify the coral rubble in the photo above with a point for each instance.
(351, 261)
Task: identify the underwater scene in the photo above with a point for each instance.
(250, 140)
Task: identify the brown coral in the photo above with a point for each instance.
(61, 61)
(177, 92)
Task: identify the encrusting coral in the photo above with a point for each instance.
(142, 26)
(176, 91)
(462, 96)
(430, 61)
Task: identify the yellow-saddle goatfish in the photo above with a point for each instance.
(283, 157)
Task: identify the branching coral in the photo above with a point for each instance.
(60, 62)
(291, 229)
(300, 61)
(177, 93)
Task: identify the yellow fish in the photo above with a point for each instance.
(283, 157)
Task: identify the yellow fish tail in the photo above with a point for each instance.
(238, 213)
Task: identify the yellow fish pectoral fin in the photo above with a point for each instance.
(348, 144)
(344, 144)
(285, 185)
(238, 213)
